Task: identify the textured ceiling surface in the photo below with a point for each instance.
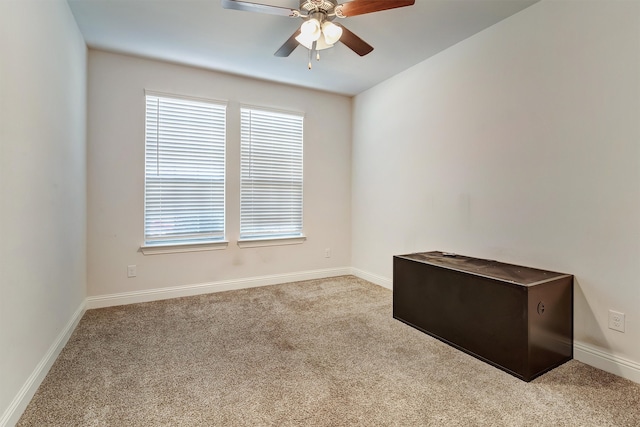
(202, 33)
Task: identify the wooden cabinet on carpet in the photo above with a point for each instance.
(518, 319)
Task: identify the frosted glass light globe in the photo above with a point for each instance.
(311, 29)
(332, 32)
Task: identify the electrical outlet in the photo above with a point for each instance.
(327, 253)
(616, 321)
(132, 271)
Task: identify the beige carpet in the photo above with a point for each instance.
(316, 353)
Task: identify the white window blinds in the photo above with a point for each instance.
(184, 171)
(271, 174)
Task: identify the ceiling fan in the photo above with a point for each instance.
(318, 31)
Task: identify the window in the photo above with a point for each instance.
(184, 171)
(271, 175)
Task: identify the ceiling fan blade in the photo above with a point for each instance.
(288, 46)
(360, 7)
(260, 8)
(354, 42)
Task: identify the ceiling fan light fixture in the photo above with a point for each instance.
(307, 42)
(304, 40)
(311, 29)
(322, 44)
(331, 32)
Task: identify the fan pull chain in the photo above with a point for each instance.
(311, 51)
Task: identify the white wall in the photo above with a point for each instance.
(521, 144)
(116, 177)
(42, 191)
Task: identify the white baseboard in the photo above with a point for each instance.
(597, 358)
(21, 400)
(373, 278)
(134, 297)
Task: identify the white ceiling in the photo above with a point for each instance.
(201, 33)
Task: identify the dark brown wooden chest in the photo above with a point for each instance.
(516, 318)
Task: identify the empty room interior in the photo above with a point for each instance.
(498, 134)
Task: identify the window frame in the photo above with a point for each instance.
(176, 244)
(250, 241)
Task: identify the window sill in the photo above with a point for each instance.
(258, 243)
(183, 247)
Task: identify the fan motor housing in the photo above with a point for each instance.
(318, 5)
